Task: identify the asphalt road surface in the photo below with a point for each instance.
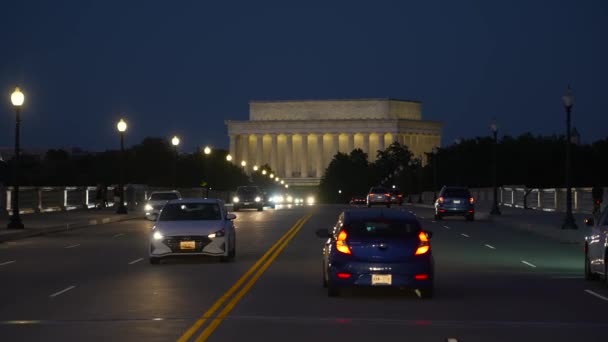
(493, 283)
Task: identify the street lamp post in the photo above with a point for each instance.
(122, 127)
(207, 152)
(17, 98)
(569, 223)
(175, 143)
(435, 153)
(495, 209)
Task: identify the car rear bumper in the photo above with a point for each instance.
(401, 274)
(446, 210)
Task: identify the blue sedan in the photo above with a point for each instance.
(377, 248)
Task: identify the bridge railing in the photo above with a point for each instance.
(48, 199)
(516, 196)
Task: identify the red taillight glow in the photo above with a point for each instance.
(441, 199)
(341, 245)
(387, 195)
(424, 245)
(343, 275)
(421, 276)
(472, 200)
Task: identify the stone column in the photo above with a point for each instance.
(319, 152)
(350, 145)
(304, 156)
(381, 141)
(288, 155)
(366, 145)
(259, 149)
(244, 149)
(273, 152)
(335, 144)
(233, 147)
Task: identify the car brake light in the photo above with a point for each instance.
(387, 195)
(343, 275)
(421, 276)
(424, 245)
(441, 199)
(341, 245)
(472, 200)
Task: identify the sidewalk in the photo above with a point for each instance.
(543, 223)
(54, 222)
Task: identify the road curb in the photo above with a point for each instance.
(18, 235)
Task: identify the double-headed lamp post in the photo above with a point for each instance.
(17, 98)
(175, 143)
(122, 128)
(495, 209)
(569, 223)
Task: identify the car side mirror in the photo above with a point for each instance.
(429, 234)
(322, 233)
(589, 222)
(230, 217)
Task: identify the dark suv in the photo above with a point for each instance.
(248, 197)
(455, 201)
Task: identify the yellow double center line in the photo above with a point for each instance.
(257, 272)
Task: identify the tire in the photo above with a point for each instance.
(588, 274)
(324, 275)
(388, 205)
(470, 217)
(260, 208)
(426, 293)
(369, 205)
(332, 291)
(154, 260)
(235, 208)
(438, 217)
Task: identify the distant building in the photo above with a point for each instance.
(298, 139)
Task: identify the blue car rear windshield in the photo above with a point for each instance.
(382, 228)
(464, 193)
(190, 212)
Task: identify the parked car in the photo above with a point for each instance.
(378, 195)
(249, 196)
(455, 201)
(199, 226)
(596, 248)
(157, 201)
(377, 248)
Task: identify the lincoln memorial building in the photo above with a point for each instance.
(298, 139)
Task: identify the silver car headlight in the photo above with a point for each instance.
(235, 199)
(148, 207)
(257, 199)
(158, 236)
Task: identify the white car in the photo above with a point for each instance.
(596, 248)
(157, 200)
(198, 226)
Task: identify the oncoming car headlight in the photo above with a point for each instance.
(257, 199)
(310, 200)
(148, 207)
(235, 199)
(158, 236)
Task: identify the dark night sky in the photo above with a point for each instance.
(183, 67)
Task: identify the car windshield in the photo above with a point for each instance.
(163, 196)
(247, 190)
(190, 212)
(382, 228)
(378, 190)
(456, 193)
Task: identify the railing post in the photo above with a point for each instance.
(37, 200)
(3, 194)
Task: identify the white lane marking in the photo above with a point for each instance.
(7, 262)
(597, 295)
(446, 227)
(490, 246)
(434, 221)
(72, 246)
(451, 339)
(119, 234)
(465, 235)
(105, 220)
(529, 264)
(135, 261)
(93, 222)
(62, 291)
(567, 277)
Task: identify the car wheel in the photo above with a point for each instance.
(426, 293)
(235, 208)
(369, 205)
(324, 275)
(588, 274)
(260, 208)
(388, 205)
(332, 291)
(470, 217)
(154, 260)
(438, 217)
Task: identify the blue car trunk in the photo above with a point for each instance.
(394, 249)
